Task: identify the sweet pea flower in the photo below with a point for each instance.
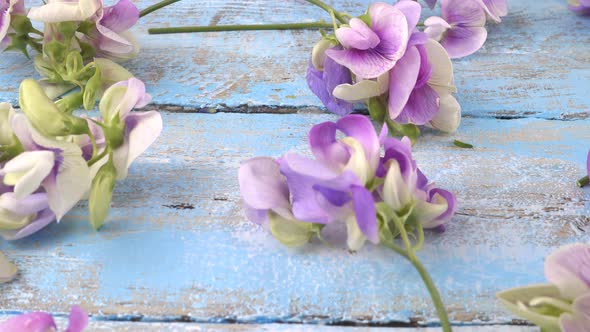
(342, 183)
(460, 30)
(6, 133)
(581, 7)
(8, 270)
(56, 11)
(564, 304)
(140, 129)
(370, 51)
(9, 8)
(55, 165)
(43, 322)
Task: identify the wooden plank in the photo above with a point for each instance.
(100, 326)
(177, 244)
(534, 64)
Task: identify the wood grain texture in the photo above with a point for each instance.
(177, 246)
(534, 64)
(104, 326)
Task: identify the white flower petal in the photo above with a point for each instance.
(318, 53)
(6, 133)
(358, 160)
(396, 192)
(69, 186)
(58, 11)
(362, 90)
(355, 237)
(448, 117)
(27, 170)
(442, 79)
(426, 212)
(7, 269)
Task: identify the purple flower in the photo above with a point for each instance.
(43, 322)
(564, 304)
(370, 51)
(461, 29)
(581, 7)
(323, 82)
(110, 36)
(9, 8)
(342, 183)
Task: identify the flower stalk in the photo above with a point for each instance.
(242, 27)
(155, 7)
(340, 16)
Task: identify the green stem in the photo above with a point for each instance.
(35, 31)
(96, 158)
(583, 181)
(247, 27)
(155, 7)
(329, 9)
(411, 256)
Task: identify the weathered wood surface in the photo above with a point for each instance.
(534, 64)
(178, 247)
(104, 326)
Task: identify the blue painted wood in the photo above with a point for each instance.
(534, 63)
(177, 245)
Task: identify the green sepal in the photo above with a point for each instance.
(74, 64)
(92, 90)
(19, 43)
(56, 51)
(377, 109)
(292, 233)
(45, 68)
(114, 132)
(397, 129)
(87, 50)
(21, 24)
(86, 26)
(367, 19)
(101, 193)
(67, 29)
(8, 152)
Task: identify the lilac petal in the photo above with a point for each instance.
(31, 204)
(256, 216)
(463, 41)
(4, 21)
(43, 219)
(588, 164)
(448, 197)
(333, 196)
(78, 319)
(357, 35)
(364, 209)
(569, 269)
(422, 106)
(418, 38)
(496, 9)
(466, 13)
(335, 74)
(31, 322)
(108, 41)
(436, 27)
(325, 147)
(411, 10)
(425, 71)
(360, 128)
(22, 130)
(316, 83)
(302, 174)
(390, 25)
(401, 151)
(120, 17)
(402, 79)
(114, 103)
(262, 185)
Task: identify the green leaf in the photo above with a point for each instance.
(462, 144)
(21, 24)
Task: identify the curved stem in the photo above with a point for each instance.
(245, 27)
(410, 255)
(329, 9)
(96, 158)
(155, 7)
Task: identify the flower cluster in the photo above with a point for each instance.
(51, 159)
(402, 74)
(349, 182)
(42, 322)
(564, 304)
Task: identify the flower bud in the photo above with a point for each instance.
(70, 102)
(56, 51)
(291, 233)
(101, 193)
(44, 114)
(92, 89)
(7, 269)
(74, 64)
(6, 133)
(318, 54)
